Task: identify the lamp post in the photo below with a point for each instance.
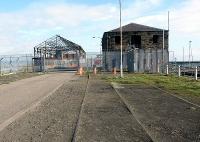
(100, 50)
(183, 60)
(106, 53)
(163, 49)
(121, 64)
(190, 52)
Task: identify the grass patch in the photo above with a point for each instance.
(180, 85)
(5, 79)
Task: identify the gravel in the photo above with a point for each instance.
(54, 120)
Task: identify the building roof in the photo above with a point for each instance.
(56, 43)
(133, 27)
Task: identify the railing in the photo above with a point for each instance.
(193, 71)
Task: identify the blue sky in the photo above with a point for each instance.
(25, 23)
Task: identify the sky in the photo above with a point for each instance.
(26, 23)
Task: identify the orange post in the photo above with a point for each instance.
(81, 71)
(95, 71)
(114, 71)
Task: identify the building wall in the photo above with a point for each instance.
(108, 41)
(147, 58)
(139, 60)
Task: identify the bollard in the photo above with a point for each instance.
(167, 70)
(196, 73)
(179, 71)
(81, 71)
(95, 71)
(158, 69)
(114, 71)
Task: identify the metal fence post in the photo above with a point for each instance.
(0, 66)
(158, 69)
(26, 63)
(33, 67)
(179, 71)
(91, 63)
(10, 64)
(44, 64)
(167, 69)
(196, 73)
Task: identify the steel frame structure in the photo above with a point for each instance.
(56, 43)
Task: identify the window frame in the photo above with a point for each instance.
(118, 41)
(155, 39)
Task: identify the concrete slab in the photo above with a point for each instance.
(164, 117)
(105, 118)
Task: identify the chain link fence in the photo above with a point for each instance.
(143, 61)
(92, 59)
(15, 63)
(140, 61)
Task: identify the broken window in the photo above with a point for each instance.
(117, 39)
(155, 38)
(136, 40)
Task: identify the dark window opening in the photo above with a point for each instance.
(117, 39)
(155, 38)
(136, 40)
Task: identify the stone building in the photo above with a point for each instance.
(142, 48)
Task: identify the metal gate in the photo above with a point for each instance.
(130, 61)
(50, 65)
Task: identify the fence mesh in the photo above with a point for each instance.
(149, 61)
(184, 69)
(92, 59)
(15, 63)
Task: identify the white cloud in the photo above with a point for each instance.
(38, 21)
(155, 2)
(184, 24)
(186, 19)
(21, 30)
